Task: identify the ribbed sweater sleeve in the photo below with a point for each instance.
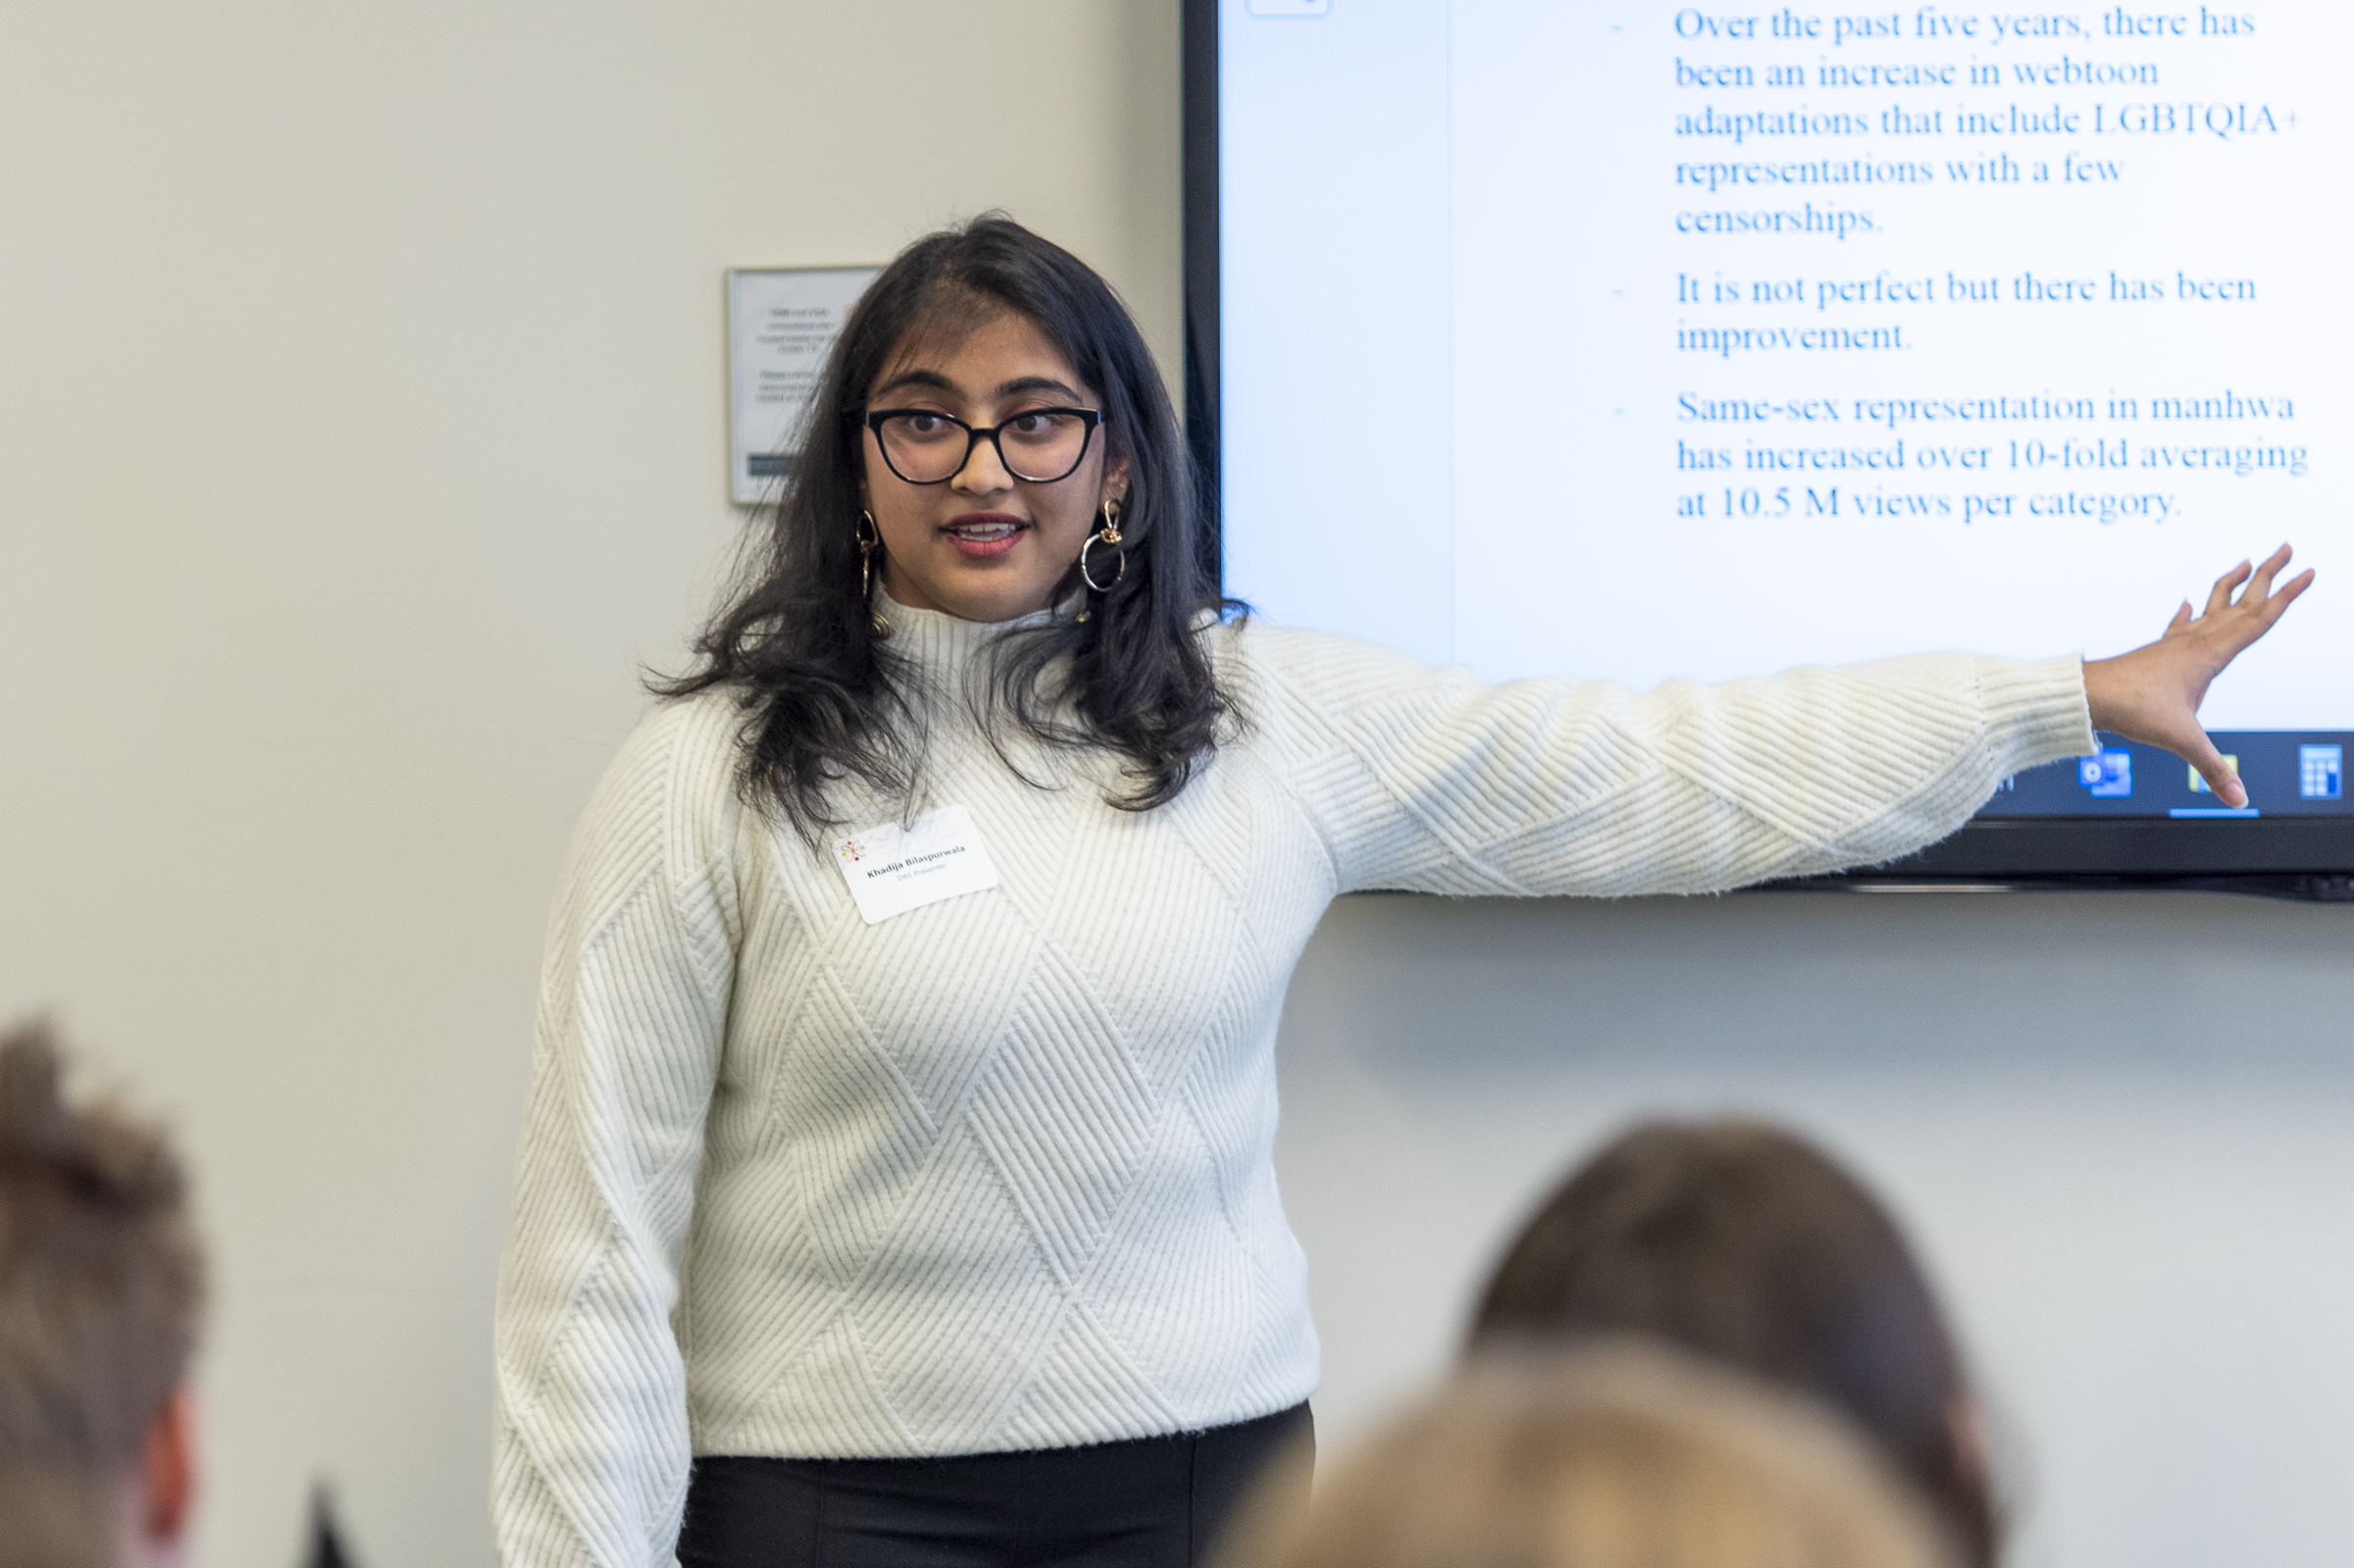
(591, 1437)
(1436, 780)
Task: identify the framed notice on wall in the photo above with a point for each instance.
(782, 322)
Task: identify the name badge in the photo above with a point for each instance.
(892, 869)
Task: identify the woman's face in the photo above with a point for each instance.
(984, 545)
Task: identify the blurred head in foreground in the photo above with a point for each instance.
(1749, 1245)
(101, 1287)
(1620, 1454)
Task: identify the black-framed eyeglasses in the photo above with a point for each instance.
(1038, 445)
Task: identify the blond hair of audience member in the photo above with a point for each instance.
(1617, 1455)
(101, 1291)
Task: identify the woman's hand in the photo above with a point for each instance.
(2153, 693)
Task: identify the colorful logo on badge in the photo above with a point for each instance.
(853, 849)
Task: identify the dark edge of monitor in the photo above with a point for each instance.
(2295, 857)
(1197, 89)
(2287, 858)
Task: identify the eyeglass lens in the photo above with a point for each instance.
(1038, 447)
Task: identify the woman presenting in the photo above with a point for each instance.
(898, 1180)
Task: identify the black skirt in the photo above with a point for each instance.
(1151, 1502)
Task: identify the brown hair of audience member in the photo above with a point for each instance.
(1748, 1244)
(101, 1292)
(1623, 1454)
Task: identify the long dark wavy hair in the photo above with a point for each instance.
(1749, 1244)
(826, 697)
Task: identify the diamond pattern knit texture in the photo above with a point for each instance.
(997, 1173)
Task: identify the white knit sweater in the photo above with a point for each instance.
(997, 1173)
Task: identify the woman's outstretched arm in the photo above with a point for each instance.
(1436, 780)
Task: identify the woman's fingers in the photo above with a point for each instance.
(2219, 599)
(2153, 693)
(2262, 606)
(2220, 775)
(2263, 615)
(2261, 586)
(2278, 605)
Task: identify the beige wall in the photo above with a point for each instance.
(361, 433)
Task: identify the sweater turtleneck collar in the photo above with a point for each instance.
(937, 640)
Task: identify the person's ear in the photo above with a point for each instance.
(1115, 481)
(167, 1476)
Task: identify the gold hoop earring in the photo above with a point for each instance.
(870, 543)
(1109, 533)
